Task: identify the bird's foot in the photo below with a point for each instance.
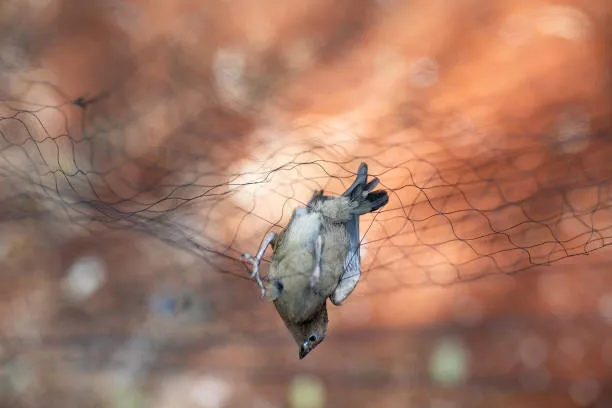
(255, 272)
(255, 260)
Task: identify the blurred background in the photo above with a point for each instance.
(145, 145)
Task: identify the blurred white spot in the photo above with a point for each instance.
(229, 72)
(306, 392)
(14, 58)
(449, 362)
(21, 375)
(535, 380)
(191, 389)
(129, 397)
(564, 21)
(533, 351)
(515, 30)
(85, 276)
(605, 307)
(573, 129)
(424, 72)
(584, 392)
(211, 392)
(572, 348)
(467, 310)
(134, 356)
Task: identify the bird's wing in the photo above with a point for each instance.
(352, 264)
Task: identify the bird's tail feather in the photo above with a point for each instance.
(361, 192)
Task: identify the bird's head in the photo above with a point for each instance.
(312, 333)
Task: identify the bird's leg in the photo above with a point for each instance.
(316, 273)
(257, 259)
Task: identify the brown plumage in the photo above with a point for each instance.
(317, 257)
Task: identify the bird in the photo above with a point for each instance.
(316, 257)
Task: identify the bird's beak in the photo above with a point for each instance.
(304, 350)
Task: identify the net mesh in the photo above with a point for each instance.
(466, 201)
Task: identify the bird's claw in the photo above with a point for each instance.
(255, 272)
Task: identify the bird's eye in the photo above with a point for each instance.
(279, 285)
(312, 338)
